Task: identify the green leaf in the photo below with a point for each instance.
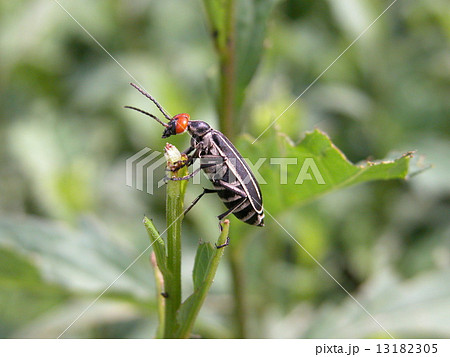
(314, 166)
(157, 245)
(252, 18)
(216, 18)
(186, 312)
(203, 258)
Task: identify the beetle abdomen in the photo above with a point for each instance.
(243, 207)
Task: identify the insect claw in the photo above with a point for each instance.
(224, 244)
(179, 178)
(178, 165)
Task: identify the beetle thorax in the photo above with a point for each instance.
(198, 128)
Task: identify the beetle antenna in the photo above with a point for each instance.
(161, 109)
(146, 113)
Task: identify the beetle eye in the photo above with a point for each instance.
(181, 123)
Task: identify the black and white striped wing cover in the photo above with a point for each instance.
(239, 175)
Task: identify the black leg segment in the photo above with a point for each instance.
(232, 209)
(205, 190)
(224, 244)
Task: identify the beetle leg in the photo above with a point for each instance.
(187, 177)
(193, 173)
(224, 244)
(220, 223)
(205, 190)
(180, 164)
(231, 210)
(188, 150)
(190, 159)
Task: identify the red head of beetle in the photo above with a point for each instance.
(182, 121)
(177, 125)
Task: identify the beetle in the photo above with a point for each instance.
(225, 167)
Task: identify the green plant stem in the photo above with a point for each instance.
(227, 99)
(174, 212)
(223, 28)
(240, 310)
(227, 113)
(200, 295)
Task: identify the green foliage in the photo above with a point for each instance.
(206, 263)
(398, 304)
(23, 289)
(46, 265)
(176, 320)
(158, 245)
(203, 258)
(252, 21)
(74, 259)
(69, 226)
(316, 167)
(238, 30)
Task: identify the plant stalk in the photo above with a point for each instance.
(227, 113)
(200, 295)
(240, 308)
(227, 96)
(174, 213)
(223, 29)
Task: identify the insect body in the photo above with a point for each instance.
(230, 175)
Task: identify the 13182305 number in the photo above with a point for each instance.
(407, 348)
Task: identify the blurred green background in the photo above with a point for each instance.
(69, 225)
